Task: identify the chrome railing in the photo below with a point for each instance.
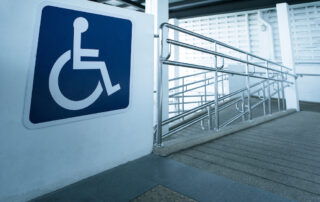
(273, 81)
(185, 94)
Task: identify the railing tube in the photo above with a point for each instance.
(264, 99)
(202, 121)
(222, 86)
(278, 91)
(209, 117)
(248, 88)
(243, 106)
(160, 92)
(216, 91)
(269, 91)
(205, 87)
(183, 96)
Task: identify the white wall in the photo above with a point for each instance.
(243, 30)
(34, 162)
(309, 85)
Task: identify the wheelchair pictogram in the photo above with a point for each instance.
(80, 25)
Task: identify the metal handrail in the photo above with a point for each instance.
(185, 45)
(201, 67)
(270, 78)
(217, 42)
(190, 75)
(184, 114)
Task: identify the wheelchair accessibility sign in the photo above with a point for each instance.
(81, 68)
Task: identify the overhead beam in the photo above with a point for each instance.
(190, 3)
(220, 7)
(134, 4)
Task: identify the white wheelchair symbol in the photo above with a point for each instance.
(80, 26)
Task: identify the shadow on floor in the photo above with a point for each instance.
(131, 180)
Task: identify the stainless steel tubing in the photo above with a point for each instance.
(216, 92)
(190, 75)
(257, 104)
(278, 91)
(186, 113)
(182, 64)
(185, 45)
(209, 118)
(171, 132)
(205, 88)
(205, 105)
(188, 84)
(217, 42)
(159, 95)
(191, 89)
(248, 89)
(243, 105)
(264, 98)
(202, 121)
(233, 119)
(229, 104)
(269, 91)
(183, 91)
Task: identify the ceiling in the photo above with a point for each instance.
(193, 8)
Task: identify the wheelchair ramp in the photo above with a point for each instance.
(281, 156)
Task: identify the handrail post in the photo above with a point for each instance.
(264, 98)
(216, 91)
(209, 117)
(222, 87)
(278, 92)
(160, 92)
(202, 121)
(248, 88)
(205, 88)
(282, 89)
(269, 91)
(243, 106)
(182, 99)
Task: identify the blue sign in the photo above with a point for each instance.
(82, 65)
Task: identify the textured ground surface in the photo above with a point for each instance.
(281, 156)
(137, 178)
(161, 193)
(274, 161)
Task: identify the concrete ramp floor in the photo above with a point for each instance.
(281, 156)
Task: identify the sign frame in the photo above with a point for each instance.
(31, 69)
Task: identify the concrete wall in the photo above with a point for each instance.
(36, 161)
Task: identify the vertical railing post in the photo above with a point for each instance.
(264, 98)
(178, 104)
(209, 118)
(222, 93)
(216, 90)
(278, 92)
(243, 106)
(205, 87)
(202, 121)
(160, 93)
(269, 91)
(282, 90)
(182, 103)
(248, 88)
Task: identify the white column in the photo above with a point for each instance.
(291, 93)
(160, 10)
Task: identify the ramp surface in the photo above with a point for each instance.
(281, 156)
